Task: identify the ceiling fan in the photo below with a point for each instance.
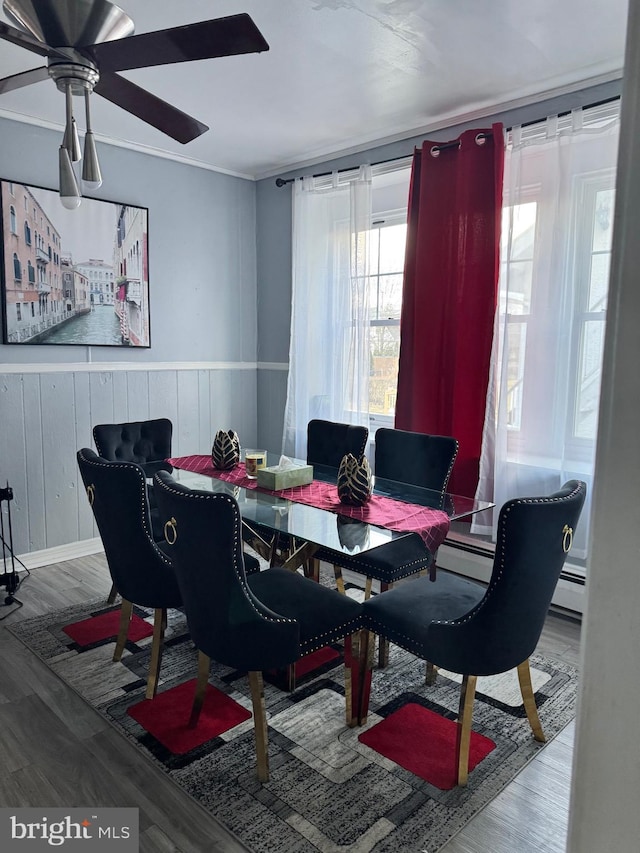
(87, 41)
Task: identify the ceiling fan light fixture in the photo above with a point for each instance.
(69, 190)
(87, 42)
(71, 142)
(91, 174)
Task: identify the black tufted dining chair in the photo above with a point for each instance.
(417, 459)
(254, 623)
(140, 569)
(460, 626)
(406, 457)
(329, 441)
(148, 443)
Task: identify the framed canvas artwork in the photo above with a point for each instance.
(73, 277)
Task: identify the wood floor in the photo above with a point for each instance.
(57, 751)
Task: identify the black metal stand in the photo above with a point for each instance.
(9, 576)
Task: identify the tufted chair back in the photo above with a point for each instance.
(415, 458)
(148, 443)
(328, 442)
(503, 629)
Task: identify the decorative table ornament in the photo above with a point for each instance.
(354, 480)
(225, 453)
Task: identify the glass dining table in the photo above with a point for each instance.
(288, 532)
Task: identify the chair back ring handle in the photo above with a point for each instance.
(91, 493)
(171, 531)
(567, 538)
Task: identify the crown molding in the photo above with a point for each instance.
(21, 118)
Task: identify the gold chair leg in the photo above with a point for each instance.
(357, 675)
(312, 569)
(337, 572)
(113, 592)
(126, 610)
(159, 626)
(256, 684)
(526, 688)
(383, 652)
(383, 644)
(291, 677)
(204, 664)
(465, 714)
(367, 589)
(367, 648)
(431, 674)
(432, 570)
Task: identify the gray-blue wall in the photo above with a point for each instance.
(200, 370)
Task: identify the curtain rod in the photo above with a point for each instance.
(281, 182)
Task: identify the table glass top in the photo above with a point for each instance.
(319, 526)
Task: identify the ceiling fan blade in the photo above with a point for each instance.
(17, 81)
(205, 40)
(149, 108)
(16, 36)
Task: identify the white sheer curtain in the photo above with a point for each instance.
(329, 348)
(542, 405)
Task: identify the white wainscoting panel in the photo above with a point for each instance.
(47, 414)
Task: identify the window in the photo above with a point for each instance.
(18, 312)
(530, 295)
(516, 250)
(27, 234)
(386, 265)
(17, 268)
(12, 220)
(31, 272)
(596, 205)
(387, 238)
(559, 191)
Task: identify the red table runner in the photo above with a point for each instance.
(431, 524)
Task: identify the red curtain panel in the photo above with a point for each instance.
(450, 293)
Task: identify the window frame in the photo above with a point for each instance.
(380, 220)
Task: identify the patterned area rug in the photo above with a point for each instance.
(328, 791)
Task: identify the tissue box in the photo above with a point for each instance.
(273, 479)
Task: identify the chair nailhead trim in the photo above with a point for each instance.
(234, 505)
(346, 561)
(502, 535)
(408, 643)
(143, 498)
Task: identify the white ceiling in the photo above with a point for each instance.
(341, 74)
